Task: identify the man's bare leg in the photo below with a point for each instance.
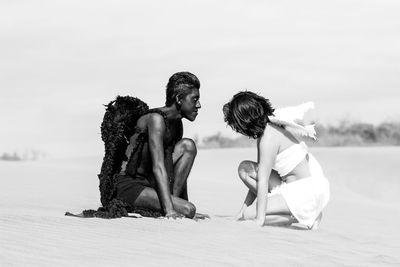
(183, 157)
(148, 198)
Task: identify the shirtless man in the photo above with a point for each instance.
(159, 159)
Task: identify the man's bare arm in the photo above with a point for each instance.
(156, 132)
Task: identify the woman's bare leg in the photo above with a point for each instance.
(276, 204)
(280, 220)
(248, 174)
(148, 198)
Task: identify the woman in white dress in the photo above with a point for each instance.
(286, 179)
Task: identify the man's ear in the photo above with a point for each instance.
(178, 99)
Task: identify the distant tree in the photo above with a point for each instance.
(365, 130)
(389, 132)
(346, 133)
(27, 155)
(10, 157)
(219, 141)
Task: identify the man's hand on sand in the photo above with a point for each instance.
(173, 215)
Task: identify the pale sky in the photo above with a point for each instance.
(61, 60)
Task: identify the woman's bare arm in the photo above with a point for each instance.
(268, 148)
(250, 197)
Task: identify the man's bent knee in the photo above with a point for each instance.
(189, 210)
(188, 146)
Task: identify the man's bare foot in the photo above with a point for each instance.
(200, 216)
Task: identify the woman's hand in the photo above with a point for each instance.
(240, 216)
(259, 221)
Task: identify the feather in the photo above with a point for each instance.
(291, 118)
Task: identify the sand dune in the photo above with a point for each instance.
(359, 228)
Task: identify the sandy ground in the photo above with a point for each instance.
(359, 228)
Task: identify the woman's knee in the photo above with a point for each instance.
(247, 168)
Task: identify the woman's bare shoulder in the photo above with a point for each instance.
(270, 142)
(272, 135)
(277, 134)
(274, 130)
(281, 135)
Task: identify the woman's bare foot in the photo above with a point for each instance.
(316, 223)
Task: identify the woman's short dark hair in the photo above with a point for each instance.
(247, 113)
(180, 83)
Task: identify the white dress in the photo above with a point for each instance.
(306, 197)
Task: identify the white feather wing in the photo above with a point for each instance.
(290, 117)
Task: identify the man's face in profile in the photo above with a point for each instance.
(190, 105)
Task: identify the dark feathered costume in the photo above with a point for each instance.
(118, 125)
